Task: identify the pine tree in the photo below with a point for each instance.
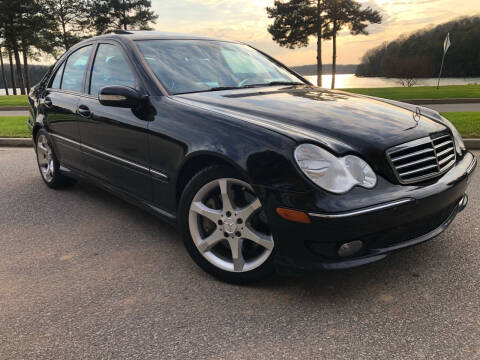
(66, 26)
(109, 15)
(10, 16)
(4, 78)
(295, 21)
(31, 24)
(349, 14)
(12, 72)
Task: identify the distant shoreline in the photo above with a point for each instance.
(311, 70)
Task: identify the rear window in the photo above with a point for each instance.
(75, 69)
(57, 81)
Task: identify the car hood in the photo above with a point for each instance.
(341, 121)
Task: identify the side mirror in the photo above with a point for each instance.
(119, 96)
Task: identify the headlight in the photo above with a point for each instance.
(459, 145)
(337, 175)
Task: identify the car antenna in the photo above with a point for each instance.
(122, 32)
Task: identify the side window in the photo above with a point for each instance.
(75, 69)
(57, 81)
(110, 68)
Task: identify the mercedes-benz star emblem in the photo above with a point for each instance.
(417, 115)
(229, 226)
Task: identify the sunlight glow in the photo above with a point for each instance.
(247, 21)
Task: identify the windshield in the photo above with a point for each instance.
(186, 66)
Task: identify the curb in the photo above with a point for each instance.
(14, 108)
(16, 142)
(472, 144)
(441, 101)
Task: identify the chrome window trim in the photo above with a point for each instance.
(128, 162)
(363, 211)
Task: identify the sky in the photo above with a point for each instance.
(247, 21)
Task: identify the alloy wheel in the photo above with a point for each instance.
(45, 158)
(228, 226)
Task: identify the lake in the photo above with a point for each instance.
(347, 81)
(2, 91)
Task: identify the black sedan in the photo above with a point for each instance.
(260, 170)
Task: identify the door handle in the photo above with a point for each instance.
(48, 102)
(84, 111)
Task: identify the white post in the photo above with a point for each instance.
(446, 46)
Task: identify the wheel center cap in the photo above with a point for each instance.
(229, 226)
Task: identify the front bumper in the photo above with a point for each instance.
(386, 219)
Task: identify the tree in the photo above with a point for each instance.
(12, 72)
(420, 53)
(31, 26)
(13, 16)
(66, 27)
(295, 22)
(108, 15)
(4, 78)
(349, 14)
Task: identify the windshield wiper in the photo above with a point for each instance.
(220, 88)
(274, 83)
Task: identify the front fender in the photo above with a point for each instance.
(184, 131)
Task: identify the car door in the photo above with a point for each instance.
(60, 105)
(114, 140)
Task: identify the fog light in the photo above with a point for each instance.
(350, 248)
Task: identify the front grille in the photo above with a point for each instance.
(422, 159)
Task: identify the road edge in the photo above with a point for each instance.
(14, 108)
(441, 101)
(472, 144)
(16, 142)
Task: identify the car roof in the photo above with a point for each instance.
(151, 35)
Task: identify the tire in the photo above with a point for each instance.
(220, 215)
(48, 163)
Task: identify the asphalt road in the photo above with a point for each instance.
(85, 275)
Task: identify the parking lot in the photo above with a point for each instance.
(86, 275)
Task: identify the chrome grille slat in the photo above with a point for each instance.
(446, 160)
(442, 137)
(422, 159)
(441, 153)
(421, 178)
(416, 162)
(412, 154)
(409, 145)
(406, 173)
(448, 166)
(438, 146)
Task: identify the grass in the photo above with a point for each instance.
(422, 92)
(14, 126)
(467, 123)
(13, 100)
